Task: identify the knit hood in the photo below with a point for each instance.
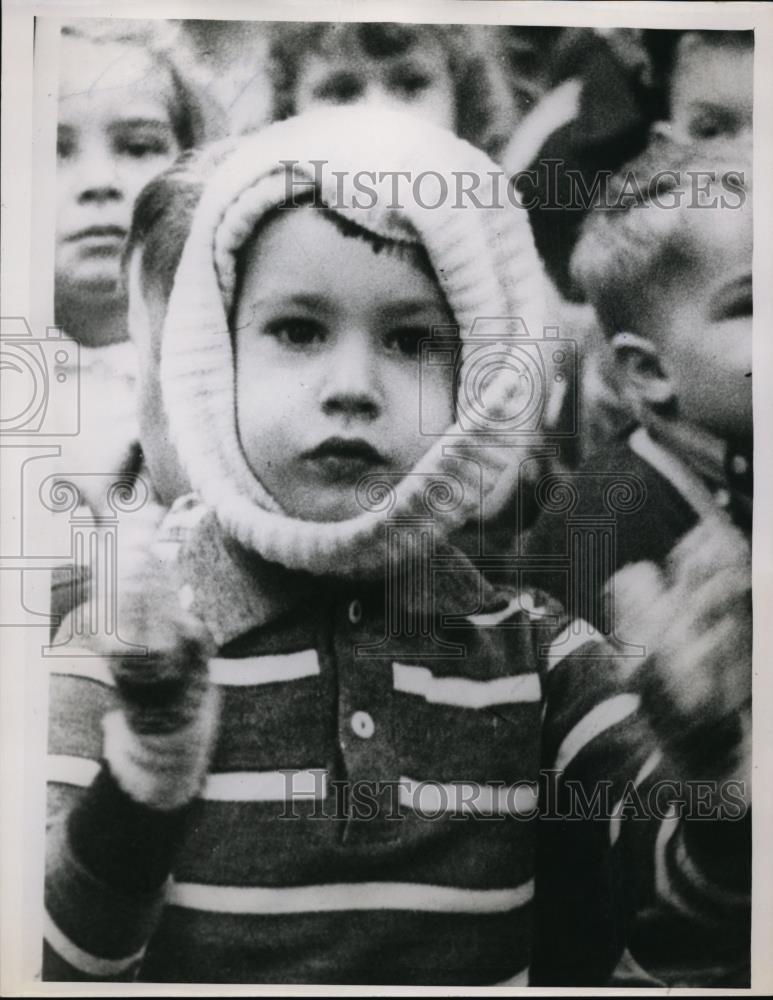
(485, 263)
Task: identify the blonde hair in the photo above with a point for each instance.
(194, 116)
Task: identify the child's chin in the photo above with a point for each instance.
(322, 512)
(324, 503)
(98, 277)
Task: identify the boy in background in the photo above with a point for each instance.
(711, 87)
(670, 277)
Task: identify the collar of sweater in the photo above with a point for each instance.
(234, 590)
(702, 451)
(720, 463)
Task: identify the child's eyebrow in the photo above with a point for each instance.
(157, 123)
(307, 300)
(716, 107)
(408, 307)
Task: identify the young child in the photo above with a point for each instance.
(125, 112)
(326, 769)
(453, 75)
(711, 87)
(670, 279)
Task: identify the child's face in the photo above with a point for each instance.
(114, 135)
(703, 320)
(416, 80)
(712, 90)
(328, 383)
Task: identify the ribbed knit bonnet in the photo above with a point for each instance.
(486, 265)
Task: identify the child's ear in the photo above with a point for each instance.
(645, 381)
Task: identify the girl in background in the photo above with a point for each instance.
(127, 108)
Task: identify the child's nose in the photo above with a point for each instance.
(380, 94)
(98, 178)
(352, 385)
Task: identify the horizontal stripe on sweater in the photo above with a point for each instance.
(518, 605)
(422, 796)
(462, 692)
(235, 786)
(467, 797)
(348, 896)
(254, 670)
(84, 961)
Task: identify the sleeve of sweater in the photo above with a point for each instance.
(692, 921)
(107, 858)
(635, 885)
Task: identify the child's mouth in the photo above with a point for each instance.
(98, 233)
(344, 458)
(99, 241)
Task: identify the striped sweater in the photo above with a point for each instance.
(385, 801)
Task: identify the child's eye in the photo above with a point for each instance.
(406, 340)
(296, 332)
(342, 88)
(140, 147)
(410, 84)
(65, 145)
(712, 123)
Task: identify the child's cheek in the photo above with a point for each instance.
(422, 413)
(440, 106)
(437, 397)
(272, 400)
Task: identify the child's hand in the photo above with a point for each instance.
(159, 745)
(695, 622)
(161, 691)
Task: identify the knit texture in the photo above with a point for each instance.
(163, 771)
(486, 265)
